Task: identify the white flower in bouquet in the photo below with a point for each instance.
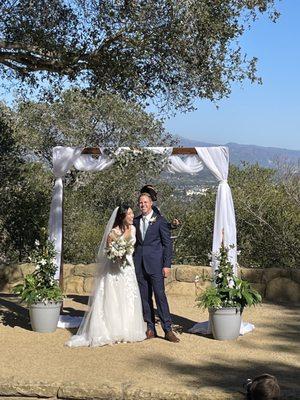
(117, 250)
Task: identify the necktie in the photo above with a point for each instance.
(144, 227)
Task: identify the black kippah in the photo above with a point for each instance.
(150, 190)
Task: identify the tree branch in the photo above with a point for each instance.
(29, 62)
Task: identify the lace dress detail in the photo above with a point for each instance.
(115, 313)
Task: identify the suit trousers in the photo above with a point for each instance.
(149, 283)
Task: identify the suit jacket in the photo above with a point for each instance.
(155, 251)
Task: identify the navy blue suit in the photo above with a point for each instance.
(151, 255)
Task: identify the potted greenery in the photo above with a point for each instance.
(40, 290)
(226, 299)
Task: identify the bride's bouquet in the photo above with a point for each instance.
(117, 250)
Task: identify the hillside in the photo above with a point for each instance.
(264, 156)
(187, 186)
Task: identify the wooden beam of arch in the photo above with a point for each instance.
(176, 150)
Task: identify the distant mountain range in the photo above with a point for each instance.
(264, 156)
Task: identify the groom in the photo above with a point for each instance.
(152, 260)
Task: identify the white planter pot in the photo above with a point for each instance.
(44, 317)
(225, 323)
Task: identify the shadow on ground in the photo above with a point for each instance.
(180, 324)
(12, 313)
(281, 338)
(276, 340)
(283, 334)
(227, 376)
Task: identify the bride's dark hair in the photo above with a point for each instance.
(121, 214)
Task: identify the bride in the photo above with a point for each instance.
(115, 308)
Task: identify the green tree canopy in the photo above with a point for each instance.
(76, 119)
(25, 192)
(267, 216)
(172, 50)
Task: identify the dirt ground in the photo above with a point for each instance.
(198, 364)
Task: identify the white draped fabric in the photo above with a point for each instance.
(63, 159)
(215, 158)
(204, 328)
(190, 164)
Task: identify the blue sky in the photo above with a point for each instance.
(265, 115)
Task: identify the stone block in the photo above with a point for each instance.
(5, 287)
(75, 391)
(260, 287)
(10, 286)
(252, 275)
(134, 392)
(10, 276)
(28, 389)
(27, 268)
(12, 273)
(283, 289)
(271, 273)
(73, 285)
(181, 288)
(88, 285)
(200, 286)
(85, 269)
(68, 270)
(295, 275)
(187, 273)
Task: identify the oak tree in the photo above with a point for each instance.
(170, 50)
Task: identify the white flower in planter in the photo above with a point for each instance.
(231, 283)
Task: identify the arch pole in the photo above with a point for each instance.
(176, 150)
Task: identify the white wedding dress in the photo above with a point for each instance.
(115, 308)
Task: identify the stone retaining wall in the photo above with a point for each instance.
(274, 284)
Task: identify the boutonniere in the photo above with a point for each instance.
(152, 220)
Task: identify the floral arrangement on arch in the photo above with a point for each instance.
(143, 156)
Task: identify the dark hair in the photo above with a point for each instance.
(263, 387)
(149, 189)
(121, 214)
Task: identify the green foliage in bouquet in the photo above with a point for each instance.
(40, 286)
(228, 290)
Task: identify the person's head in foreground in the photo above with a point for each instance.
(263, 387)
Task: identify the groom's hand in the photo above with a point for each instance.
(166, 272)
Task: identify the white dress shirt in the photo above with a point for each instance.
(147, 220)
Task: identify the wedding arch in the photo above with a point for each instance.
(216, 159)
